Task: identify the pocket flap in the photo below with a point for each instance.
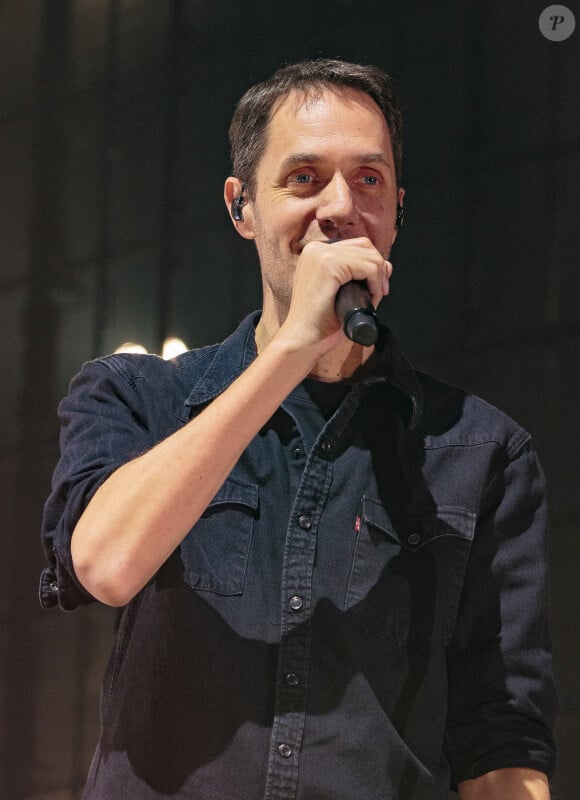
(414, 529)
(236, 492)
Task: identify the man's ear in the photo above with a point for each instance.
(239, 208)
(399, 222)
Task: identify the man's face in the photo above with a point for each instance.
(327, 172)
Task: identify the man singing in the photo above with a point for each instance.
(330, 567)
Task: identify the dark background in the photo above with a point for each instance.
(113, 152)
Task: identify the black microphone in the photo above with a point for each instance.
(356, 312)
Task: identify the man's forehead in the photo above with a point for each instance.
(288, 126)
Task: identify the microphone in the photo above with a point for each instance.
(356, 312)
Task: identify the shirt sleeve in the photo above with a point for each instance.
(103, 425)
(502, 699)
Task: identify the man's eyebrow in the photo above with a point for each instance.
(374, 158)
(297, 159)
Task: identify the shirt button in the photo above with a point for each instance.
(414, 539)
(285, 750)
(295, 603)
(292, 679)
(297, 451)
(326, 446)
(305, 522)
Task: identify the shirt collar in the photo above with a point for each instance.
(238, 351)
(231, 358)
(395, 368)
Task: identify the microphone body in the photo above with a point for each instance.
(355, 310)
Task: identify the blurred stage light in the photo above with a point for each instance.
(173, 347)
(131, 347)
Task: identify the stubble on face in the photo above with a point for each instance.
(278, 278)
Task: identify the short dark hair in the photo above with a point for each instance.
(249, 126)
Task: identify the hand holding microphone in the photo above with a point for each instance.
(334, 292)
(356, 312)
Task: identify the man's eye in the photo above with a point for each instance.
(370, 180)
(302, 177)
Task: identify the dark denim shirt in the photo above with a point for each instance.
(359, 620)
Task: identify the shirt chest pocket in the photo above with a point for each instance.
(406, 578)
(214, 554)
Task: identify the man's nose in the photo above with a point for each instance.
(337, 206)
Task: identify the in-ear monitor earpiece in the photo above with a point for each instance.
(400, 217)
(237, 203)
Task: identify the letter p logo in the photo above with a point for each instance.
(557, 23)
